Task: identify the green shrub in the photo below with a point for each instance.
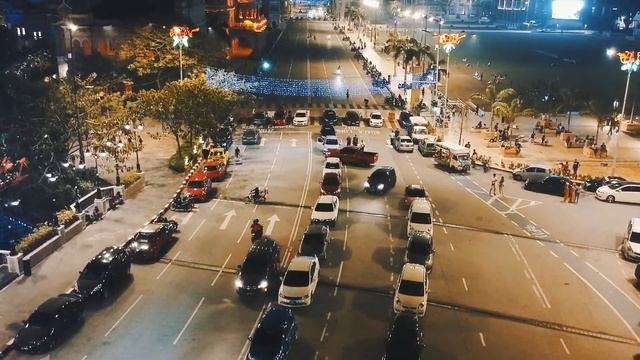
(66, 218)
(129, 178)
(176, 163)
(85, 187)
(38, 237)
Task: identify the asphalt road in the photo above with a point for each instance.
(500, 288)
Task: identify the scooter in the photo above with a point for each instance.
(260, 198)
(181, 204)
(256, 235)
(173, 225)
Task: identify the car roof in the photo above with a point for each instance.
(332, 159)
(326, 198)
(414, 187)
(421, 237)
(275, 316)
(263, 247)
(539, 166)
(151, 228)
(404, 137)
(316, 229)
(330, 174)
(421, 205)
(301, 110)
(331, 137)
(105, 256)
(211, 162)
(200, 175)
(413, 272)
(635, 224)
(302, 263)
(52, 305)
(250, 131)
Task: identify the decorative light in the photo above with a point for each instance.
(127, 126)
(181, 35)
(65, 163)
(140, 126)
(630, 60)
(73, 27)
(449, 41)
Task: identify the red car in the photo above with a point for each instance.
(215, 169)
(199, 186)
(280, 118)
(330, 184)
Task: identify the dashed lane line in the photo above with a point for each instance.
(482, 340)
(464, 282)
(196, 230)
(123, 315)
(193, 314)
(564, 346)
(167, 266)
(224, 265)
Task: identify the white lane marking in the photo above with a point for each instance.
(533, 276)
(214, 204)
(451, 246)
(255, 208)
(227, 217)
(245, 348)
(277, 150)
(535, 290)
(123, 315)
(187, 218)
(513, 249)
(624, 321)
(482, 340)
(540, 243)
(220, 271)
(167, 266)
(246, 226)
(196, 230)
(348, 208)
(84, 357)
(612, 284)
(272, 222)
(527, 274)
(266, 182)
(328, 315)
(193, 314)
(445, 230)
(391, 277)
(346, 233)
(464, 282)
(229, 182)
(574, 253)
(566, 349)
(315, 357)
(324, 332)
(554, 254)
(335, 291)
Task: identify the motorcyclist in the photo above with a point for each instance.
(254, 193)
(256, 230)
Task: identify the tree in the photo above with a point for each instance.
(568, 101)
(509, 110)
(395, 46)
(596, 109)
(491, 96)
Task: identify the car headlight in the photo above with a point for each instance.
(306, 296)
(398, 302)
(263, 284)
(421, 306)
(366, 184)
(238, 283)
(143, 247)
(380, 186)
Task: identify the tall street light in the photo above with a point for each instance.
(180, 36)
(630, 62)
(136, 143)
(449, 42)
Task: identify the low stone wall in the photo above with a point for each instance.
(43, 251)
(135, 188)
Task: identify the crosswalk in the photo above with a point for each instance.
(328, 105)
(316, 121)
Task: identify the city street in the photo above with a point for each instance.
(519, 276)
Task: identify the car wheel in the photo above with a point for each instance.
(517, 177)
(611, 199)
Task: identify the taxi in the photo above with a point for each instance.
(215, 169)
(198, 186)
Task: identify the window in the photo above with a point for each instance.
(541, 170)
(411, 288)
(420, 218)
(324, 207)
(296, 278)
(531, 169)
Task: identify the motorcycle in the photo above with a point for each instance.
(172, 224)
(259, 198)
(180, 203)
(256, 234)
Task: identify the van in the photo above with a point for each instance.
(452, 156)
(419, 218)
(631, 242)
(427, 146)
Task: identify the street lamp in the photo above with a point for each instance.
(630, 62)
(449, 42)
(180, 36)
(136, 143)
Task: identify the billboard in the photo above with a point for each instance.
(566, 9)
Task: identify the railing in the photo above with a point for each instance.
(88, 200)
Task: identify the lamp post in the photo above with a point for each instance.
(72, 28)
(180, 36)
(630, 62)
(136, 143)
(449, 42)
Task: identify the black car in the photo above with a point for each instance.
(381, 180)
(260, 119)
(251, 137)
(329, 117)
(593, 184)
(553, 185)
(49, 324)
(327, 130)
(351, 118)
(110, 268)
(405, 119)
(274, 335)
(151, 241)
(637, 273)
(405, 339)
(224, 138)
(315, 241)
(420, 250)
(259, 270)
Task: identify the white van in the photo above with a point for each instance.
(419, 217)
(452, 156)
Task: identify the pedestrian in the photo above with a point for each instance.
(501, 185)
(492, 189)
(348, 140)
(566, 193)
(543, 140)
(610, 132)
(576, 166)
(577, 192)
(422, 91)
(347, 94)
(468, 145)
(355, 140)
(533, 136)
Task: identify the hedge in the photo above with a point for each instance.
(39, 236)
(67, 218)
(129, 178)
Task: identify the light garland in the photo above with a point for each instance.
(630, 60)
(449, 41)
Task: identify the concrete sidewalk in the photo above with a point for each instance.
(58, 272)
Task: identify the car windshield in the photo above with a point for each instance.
(312, 239)
(331, 181)
(301, 114)
(144, 238)
(324, 207)
(40, 319)
(267, 340)
(463, 157)
(376, 116)
(634, 238)
(211, 168)
(406, 141)
(258, 115)
(249, 133)
(614, 186)
(415, 192)
(94, 271)
(296, 278)
(254, 265)
(420, 131)
(352, 116)
(331, 142)
(332, 165)
(419, 247)
(411, 288)
(420, 218)
(196, 184)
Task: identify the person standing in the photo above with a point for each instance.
(348, 140)
(577, 192)
(347, 94)
(492, 189)
(566, 192)
(355, 140)
(576, 166)
(501, 185)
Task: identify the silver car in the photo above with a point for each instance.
(533, 173)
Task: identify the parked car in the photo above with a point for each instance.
(299, 282)
(637, 274)
(533, 172)
(402, 143)
(593, 184)
(381, 180)
(631, 242)
(625, 191)
(325, 211)
(414, 191)
(330, 142)
(427, 146)
(404, 120)
(199, 186)
(274, 335)
(301, 118)
(354, 155)
(215, 169)
(224, 138)
(107, 270)
(259, 270)
(49, 324)
(411, 290)
(260, 119)
(314, 241)
(332, 165)
(375, 119)
(419, 217)
(280, 117)
(329, 117)
(331, 184)
(150, 242)
(420, 250)
(251, 137)
(553, 185)
(327, 130)
(351, 118)
(405, 339)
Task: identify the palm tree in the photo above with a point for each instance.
(395, 47)
(492, 96)
(569, 100)
(412, 51)
(509, 110)
(596, 109)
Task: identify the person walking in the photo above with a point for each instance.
(492, 189)
(576, 166)
(355, 140)
(348, 140)
(501, 185)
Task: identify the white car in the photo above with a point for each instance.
(299, 282)
(623, 191)
(332, 165)
(330, 142)
(631, 242)
(375, 119)
(419, 217)
(301, 118)
(403, 143)
(325, 211)
(411, 291)
(418, 133)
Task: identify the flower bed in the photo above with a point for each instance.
(38, 237)
(67, 218)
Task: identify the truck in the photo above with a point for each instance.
(452, 156)
(354, 155)
(427, 145)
